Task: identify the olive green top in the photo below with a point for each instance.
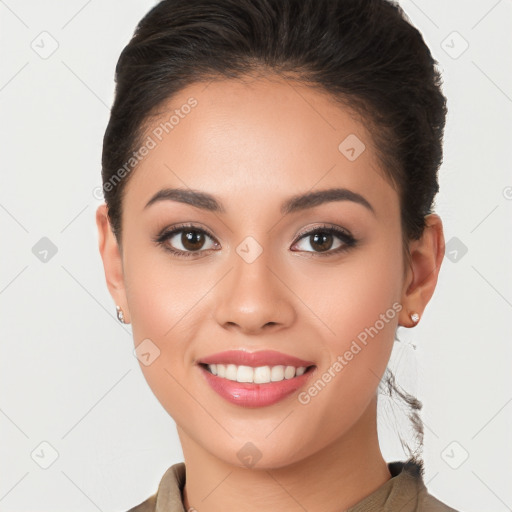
(403, 492)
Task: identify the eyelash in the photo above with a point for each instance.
(348, 240)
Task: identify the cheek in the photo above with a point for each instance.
(159, 290)
(163, 302)
(357, 294)
(167, 300)
(359, 307)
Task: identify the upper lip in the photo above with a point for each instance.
(254, 359)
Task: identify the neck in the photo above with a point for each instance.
(335, 478)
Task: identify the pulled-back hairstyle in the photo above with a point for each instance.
(364, 54)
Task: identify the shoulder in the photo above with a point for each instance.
(426, 502)
(168, 495)
(429, 503)
(148, 505)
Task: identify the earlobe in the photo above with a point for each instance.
(427, 255)
(112, 260)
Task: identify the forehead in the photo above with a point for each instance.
(254, 138)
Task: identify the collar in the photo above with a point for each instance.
(403, 491)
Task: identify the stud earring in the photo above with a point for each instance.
(120, 315)
(415, 317)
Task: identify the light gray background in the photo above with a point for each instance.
(69, 377)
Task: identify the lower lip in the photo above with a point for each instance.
(248, 394)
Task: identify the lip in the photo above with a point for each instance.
(254, 359)
(249, 394)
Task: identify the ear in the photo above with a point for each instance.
(427, 254)
(112, 260)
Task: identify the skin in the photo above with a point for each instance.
(252, 145)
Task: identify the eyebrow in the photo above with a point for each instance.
(294, 204)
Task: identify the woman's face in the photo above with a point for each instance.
(254, 280)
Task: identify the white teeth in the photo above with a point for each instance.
(244, 374)
(289, 372)
(277, 373)
(231, 372)
(258, 375)
(262, 374)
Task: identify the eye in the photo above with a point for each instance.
(185, 240)
(322, 239)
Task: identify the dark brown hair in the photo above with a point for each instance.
(365, 54)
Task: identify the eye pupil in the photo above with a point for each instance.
(192, 240)
(323, 237)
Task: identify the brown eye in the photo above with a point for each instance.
(186, 241)
(323, 241)
(192, 240)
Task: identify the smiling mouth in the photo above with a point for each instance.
(256, 375)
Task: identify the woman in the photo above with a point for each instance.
(269, 170)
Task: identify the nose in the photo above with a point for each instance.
(254, 297)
